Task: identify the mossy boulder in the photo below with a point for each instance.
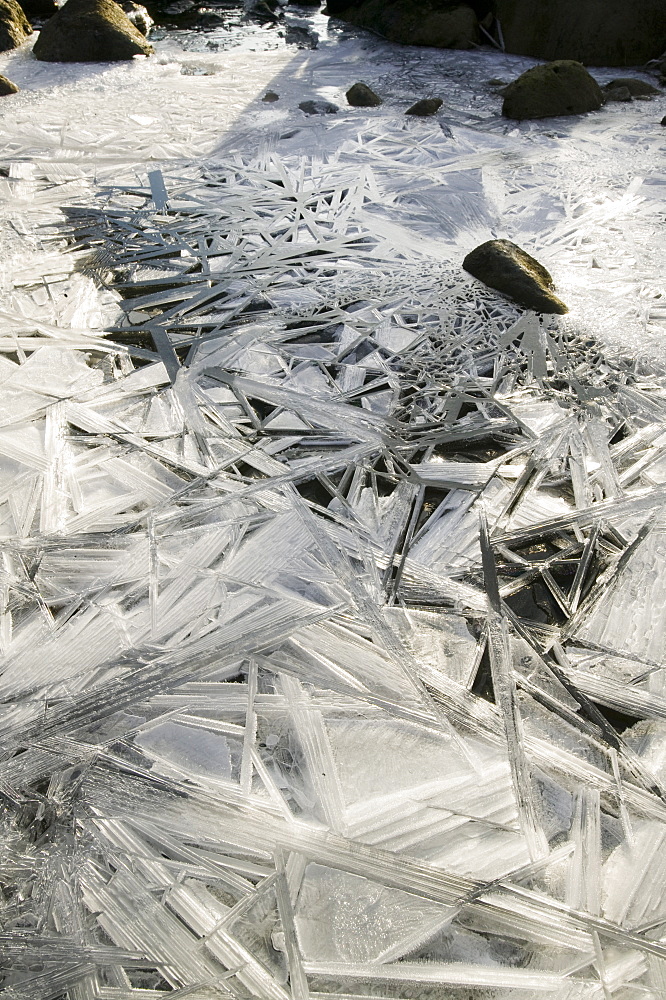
(90, 31)
(441, 24)
(14, 25)
(509, 269)
(594, 32)
(563, 87)
(318, 108)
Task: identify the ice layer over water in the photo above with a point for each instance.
(331, 609)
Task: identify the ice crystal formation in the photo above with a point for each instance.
(332, 658)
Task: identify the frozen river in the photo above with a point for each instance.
(333, 584)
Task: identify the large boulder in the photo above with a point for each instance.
(509, 269)
(563, 87)
(594, 32)
(90, 31)
(14, 25)
(444, 24)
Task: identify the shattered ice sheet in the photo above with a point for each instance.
(331, 651)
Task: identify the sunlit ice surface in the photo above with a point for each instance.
(333, 582)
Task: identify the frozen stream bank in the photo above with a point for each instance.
(333, 584)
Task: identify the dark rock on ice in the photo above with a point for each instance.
(595, 32)
(637, 88)
(362, 96)
(302, 37)
(563, 87)
(616, 94)
(318, 108)
(7, 87)
(39, 10)
(90, 31)
(425, 108)
(444, 25)
(270, 97)
(504, 266)
(138, 15)
(663, 122)
(14, 25)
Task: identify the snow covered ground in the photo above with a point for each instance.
(332, 584)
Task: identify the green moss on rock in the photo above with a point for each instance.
(509, 269)
(90, 31)
(563, 87)
(14, 25)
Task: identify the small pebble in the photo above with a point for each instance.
(270, 97)
(303, 38)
